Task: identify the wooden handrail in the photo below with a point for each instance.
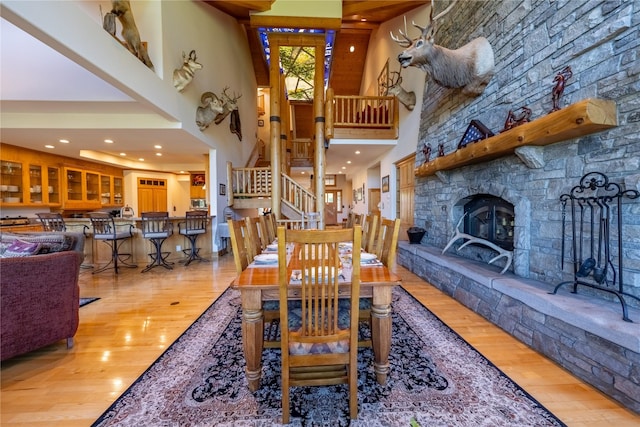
(349, 116)
(251, 182)
(299, 197)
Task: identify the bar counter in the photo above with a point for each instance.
(98, 253)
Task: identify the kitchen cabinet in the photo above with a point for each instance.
(81, 189)
(11, 182)
(28, 184)
(31, 178)
(111, 191)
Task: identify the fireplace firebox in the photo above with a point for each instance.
(490, 218)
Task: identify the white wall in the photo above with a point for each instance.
(74, 28)
(382, 47)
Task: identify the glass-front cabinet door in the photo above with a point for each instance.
(118, 191)
(105, 190)
(93, 187)
(11, 183)
(35, 184)
(74, 185)
(53, 185)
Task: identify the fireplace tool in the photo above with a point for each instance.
(593, 198)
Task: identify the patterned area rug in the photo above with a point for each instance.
(85, 301)
(436, 379)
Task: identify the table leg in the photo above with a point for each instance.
(252, 335)
(381, 331)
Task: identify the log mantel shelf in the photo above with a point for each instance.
(582, 118)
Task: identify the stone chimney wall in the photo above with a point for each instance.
(532, 41)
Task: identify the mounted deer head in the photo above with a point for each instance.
(470, 67)
(408, 99)
(229, 105)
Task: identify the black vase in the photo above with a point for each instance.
(415, 235)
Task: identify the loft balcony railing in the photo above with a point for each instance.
(361, 117)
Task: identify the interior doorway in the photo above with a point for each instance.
(332, 205)
(374, 201)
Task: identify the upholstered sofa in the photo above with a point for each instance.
(39, 290)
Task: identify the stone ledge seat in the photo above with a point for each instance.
(583, 333)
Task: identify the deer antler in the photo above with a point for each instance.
(444, 12)
(407, 41)
(397, 81)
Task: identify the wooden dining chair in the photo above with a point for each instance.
(237, 232)
(272, 226)
(369, 228)
(262, 231)
(239, 235)
(270, 237)
(254, 244)
(319, 340)
(387, 242)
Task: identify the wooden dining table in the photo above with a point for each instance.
(259, 283)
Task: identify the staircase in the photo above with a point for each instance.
(251, 188)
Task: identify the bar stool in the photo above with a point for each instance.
(194, 225)
(105, 229)
(52, 221)
(156, 228)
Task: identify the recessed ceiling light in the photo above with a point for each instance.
(358, 152)
(108, 141)
(352, 48)
(141, 159)
(302, 173)
(344, 167)
(348, 162)
(159, 154)
(49, 146)
(182, 172)
(64, 141)
(123, 154)
(363, 20)
(157, 147)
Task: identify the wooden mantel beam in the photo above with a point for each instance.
(582, 118)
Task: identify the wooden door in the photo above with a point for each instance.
(330, 207)
(406, 194)
(152, 195)
(374, 201)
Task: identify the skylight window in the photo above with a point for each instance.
(298, 63)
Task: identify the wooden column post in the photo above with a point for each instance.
(320, 161)
(275, 125)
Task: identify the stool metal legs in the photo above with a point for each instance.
(116, 256)
(158, 258)
(194, 251)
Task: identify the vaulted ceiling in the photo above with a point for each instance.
(359, 19)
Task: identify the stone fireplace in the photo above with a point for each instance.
(532, 42)
(491, 219)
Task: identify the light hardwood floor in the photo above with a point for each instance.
(140, 315)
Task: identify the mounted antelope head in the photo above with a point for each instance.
(183, 76)
(408, 99)
(470, 67)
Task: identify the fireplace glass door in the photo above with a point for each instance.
(490, 218)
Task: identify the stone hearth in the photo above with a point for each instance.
(584, 334)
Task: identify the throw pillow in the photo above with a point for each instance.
(49, 242)
(21, 249)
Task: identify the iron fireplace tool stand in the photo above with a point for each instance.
(596, 194)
